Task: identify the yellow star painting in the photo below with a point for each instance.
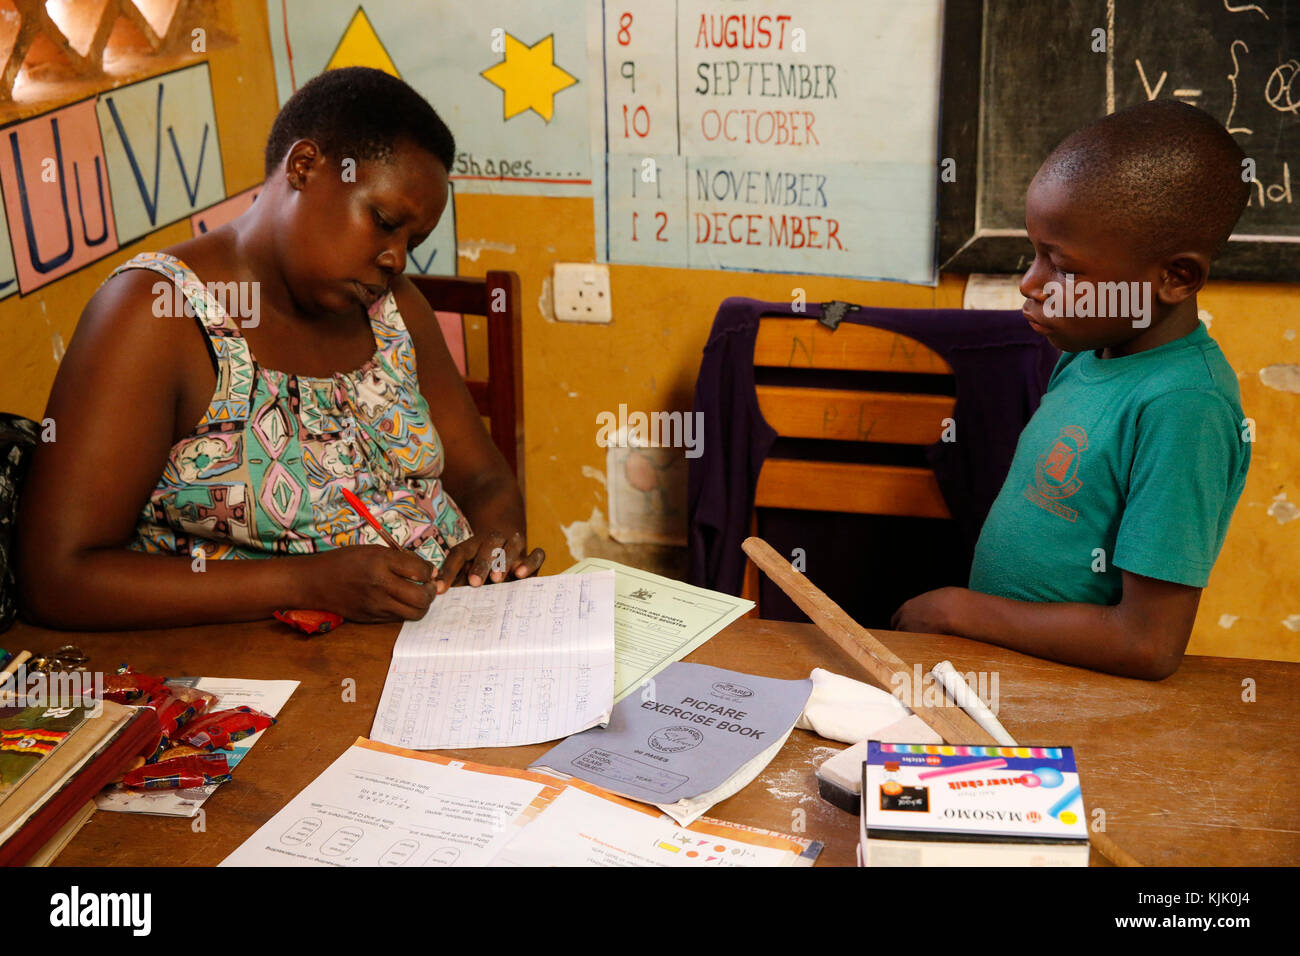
(529, 77)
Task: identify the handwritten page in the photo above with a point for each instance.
(503, 665)
(658, 620)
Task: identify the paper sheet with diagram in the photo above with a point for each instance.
(658, 620)
(503, 665)
(378, 805)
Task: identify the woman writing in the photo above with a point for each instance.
(208, 436)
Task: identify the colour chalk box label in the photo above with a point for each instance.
(943, 791)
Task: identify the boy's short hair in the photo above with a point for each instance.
(360, 113)
(1169, 174)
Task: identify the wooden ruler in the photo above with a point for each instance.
(950, 722)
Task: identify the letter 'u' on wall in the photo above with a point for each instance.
(59, 213)
(8, 274)
(160, 141)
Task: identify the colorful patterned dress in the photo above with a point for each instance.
(262, 472)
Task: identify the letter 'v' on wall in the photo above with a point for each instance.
(160, 142)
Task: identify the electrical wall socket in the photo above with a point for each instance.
(580, 292)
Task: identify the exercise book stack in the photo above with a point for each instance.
(53, 760)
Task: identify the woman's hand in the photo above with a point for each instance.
(369, 583)
(493, 555)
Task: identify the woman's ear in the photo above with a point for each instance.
(303, 159)
(1181, 276)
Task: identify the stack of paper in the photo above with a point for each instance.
(381, 806)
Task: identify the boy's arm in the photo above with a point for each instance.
(1143, 636)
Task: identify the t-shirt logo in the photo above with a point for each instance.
(1056, 475)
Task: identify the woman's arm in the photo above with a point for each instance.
(475, 473)
(1143, 636)
(114, 406)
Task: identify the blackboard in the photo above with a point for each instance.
(1019, 76)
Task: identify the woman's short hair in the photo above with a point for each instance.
(360, 113)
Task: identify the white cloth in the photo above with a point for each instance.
(845, 768)
(848, 710)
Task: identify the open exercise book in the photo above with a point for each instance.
(381, 806)
(503, 665)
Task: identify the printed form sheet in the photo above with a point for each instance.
(503, 665)
(375, 806)
(658, 620)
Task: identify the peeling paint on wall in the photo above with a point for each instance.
(578, 534)
(544, 300)
(1227, 620)
(471, 249)
(1284, 378)
(590, 539)
(596, 473)
(1291, 622)
(1283, 510)
(1205, 317)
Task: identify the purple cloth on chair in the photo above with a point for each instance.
(1001, 367)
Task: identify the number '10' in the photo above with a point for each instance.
(640, 118)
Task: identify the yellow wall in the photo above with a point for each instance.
(648, 358)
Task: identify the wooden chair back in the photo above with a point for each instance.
(851, 415)
(499, 397)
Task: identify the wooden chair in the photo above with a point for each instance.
(499, 397)
(851, 415)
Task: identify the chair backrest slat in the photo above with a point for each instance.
(854, 415)
(805, 343)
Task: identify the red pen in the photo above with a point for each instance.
(362, 510)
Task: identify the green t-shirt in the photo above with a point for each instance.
(1141, 456)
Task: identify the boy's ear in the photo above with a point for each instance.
(1181, 276)
(303, 158)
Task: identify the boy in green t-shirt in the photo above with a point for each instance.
(1123, 482)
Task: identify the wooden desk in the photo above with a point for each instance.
(1186, 771)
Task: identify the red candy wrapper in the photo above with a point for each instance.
(310, 622)
(221, 728)
(177, 706)
(125, 687)
(179, 774)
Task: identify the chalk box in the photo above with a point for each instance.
(948, 805)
